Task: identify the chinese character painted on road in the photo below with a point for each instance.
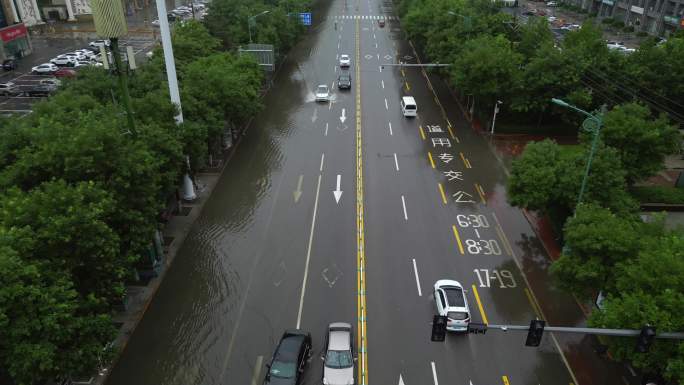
(453, 175)
(462, 197)
(441, 142)
(434, 128)
(446, 157)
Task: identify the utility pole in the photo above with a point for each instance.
(496, 111)
(110, 23)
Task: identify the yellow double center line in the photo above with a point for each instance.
(360, 240)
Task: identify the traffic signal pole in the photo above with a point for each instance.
(595, 331)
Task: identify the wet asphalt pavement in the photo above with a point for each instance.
(273, 249)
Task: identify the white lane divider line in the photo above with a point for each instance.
(257, 370)
(376, 46)
(308, 255)
(403, 204)
(326, 130)
(322, 159)
(390, 128)
(380, 68)
(396, 163)
(383, 84)
(415, 270)
(434, 372)
(386, 106)
(374, 36)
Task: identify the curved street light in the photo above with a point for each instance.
(250, 20)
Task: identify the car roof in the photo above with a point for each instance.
(289, 347)
(409, 99)
(339, 337)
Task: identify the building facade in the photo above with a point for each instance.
(655, 17)
(15, 41)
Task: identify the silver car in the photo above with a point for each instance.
(338, 367)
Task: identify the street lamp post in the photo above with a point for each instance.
(250, 20)
(496, 111)
(592, 124)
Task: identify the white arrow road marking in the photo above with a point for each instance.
(420, 293)
(338, 192)
(343, 117)
(298, 191)
(314, 116)
(403, 204)
(434, 373)
(401, 381)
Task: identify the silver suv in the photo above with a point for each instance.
(9, 89)
(338, 367)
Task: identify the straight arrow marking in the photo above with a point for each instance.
(298, 191)
(401, 381)
(338, 192)
(343, 118)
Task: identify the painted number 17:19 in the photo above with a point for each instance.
(504, 277)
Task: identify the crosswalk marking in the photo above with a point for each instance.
(364, 17)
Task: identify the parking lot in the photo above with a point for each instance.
(44, 50)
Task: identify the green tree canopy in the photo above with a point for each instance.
(640, 140)
(648, 290)
(45, 331)
(596, 241)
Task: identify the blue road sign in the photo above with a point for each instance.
(305, 17)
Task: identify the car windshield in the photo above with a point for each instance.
(322, 89)
(283, 369)
(338, 359)
(344, 78)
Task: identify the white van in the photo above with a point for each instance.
(408, 106)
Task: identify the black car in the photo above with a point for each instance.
(9, 65)
(289, 358)
(344, 81)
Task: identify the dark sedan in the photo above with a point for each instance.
(289, 358)
(344, 81)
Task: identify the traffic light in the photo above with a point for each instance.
(439, 324)
(645, 339)
(535, 333)
(477, 328)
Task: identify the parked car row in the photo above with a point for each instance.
(43, 88)
(295, 350)
(184, 12)
(619, 46)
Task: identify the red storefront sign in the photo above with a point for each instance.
(10, 33)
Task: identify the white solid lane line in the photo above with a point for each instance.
(434, 372)
(308, 253)
(415, 270)
(390, 127)
(322, 159)
(257, 370)
(403, 204)
(386, 106)
(396, 163)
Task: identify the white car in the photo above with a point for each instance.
(322, 93)
(9, 89)
(338, 361)
(63, 60)
(626, 49)
(86, 53)
(345, 61)
(88, 63)
(155, 22)
(51, 82)
(551, 4)
(615, 45)
(99, 43)
(45, 68)
(76, 55)
(451, 302)
(551, 18)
